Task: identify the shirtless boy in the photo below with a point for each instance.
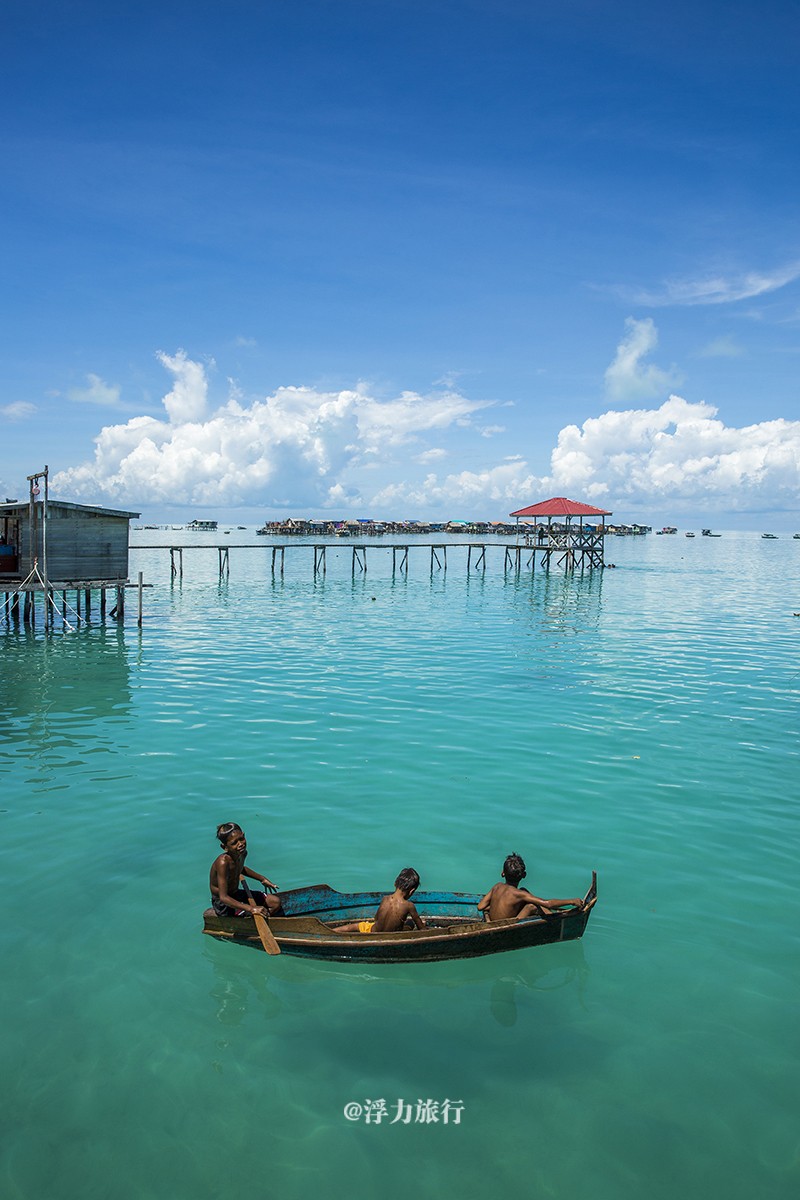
(392, 910)
(508, 900)
(228, 899)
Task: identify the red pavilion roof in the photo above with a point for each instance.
(560, 506)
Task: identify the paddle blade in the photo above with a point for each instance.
(266, 935)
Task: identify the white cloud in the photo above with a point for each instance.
(721, 347)
(496, 489)
(18, 410)
(188, 398)
(295, 447)
(714, 288)
(628, 378)
(98, 392)
(680, 451)
(307, 449)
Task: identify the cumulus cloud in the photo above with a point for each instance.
(628, 377)
(715, 288)
(680, 451)
(98, 392)
(294, 447)
(189, 396)
(19, 410)
(303, 448)
(494, 489)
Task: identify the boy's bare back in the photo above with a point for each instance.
(392, 913)
(393, 910)
(507, 902)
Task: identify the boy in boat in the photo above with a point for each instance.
(393, 910)
(508, 900)
(227, 898)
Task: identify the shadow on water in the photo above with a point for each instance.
(246, 979)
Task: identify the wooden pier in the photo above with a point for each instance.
(21, 604)
(562, 550)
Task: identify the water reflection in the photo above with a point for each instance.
(86, 675)
(243, 979)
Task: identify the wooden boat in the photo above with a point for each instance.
(453, 927)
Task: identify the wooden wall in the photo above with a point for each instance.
(80, 545)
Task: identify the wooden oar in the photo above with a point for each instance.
(264, 931)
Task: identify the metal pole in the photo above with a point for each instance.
(44, 538)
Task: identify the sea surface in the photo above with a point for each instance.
(641, 721)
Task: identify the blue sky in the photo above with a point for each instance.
(381, 257)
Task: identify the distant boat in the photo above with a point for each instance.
(796, 536)
(241, 527)
(689, 535)
(708, 533)
(772, 537)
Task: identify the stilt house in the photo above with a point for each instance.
(78, 543)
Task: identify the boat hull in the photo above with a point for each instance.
(454, 928)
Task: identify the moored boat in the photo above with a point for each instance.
(454, 928)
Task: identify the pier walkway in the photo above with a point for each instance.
(563, 550)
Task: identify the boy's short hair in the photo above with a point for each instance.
(225, 830)
(407, 880)
(514, 868)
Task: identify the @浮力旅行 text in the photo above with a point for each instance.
(405, 1112)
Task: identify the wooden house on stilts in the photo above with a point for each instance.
(51, 547)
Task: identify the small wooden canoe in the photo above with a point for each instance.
(453, 927)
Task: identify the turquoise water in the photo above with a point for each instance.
(643, 723)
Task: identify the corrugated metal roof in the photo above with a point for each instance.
(16, 505)
(560, 506)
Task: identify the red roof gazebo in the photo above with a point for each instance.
(569, 546)
(560, 506)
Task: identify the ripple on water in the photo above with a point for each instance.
(643, 723)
